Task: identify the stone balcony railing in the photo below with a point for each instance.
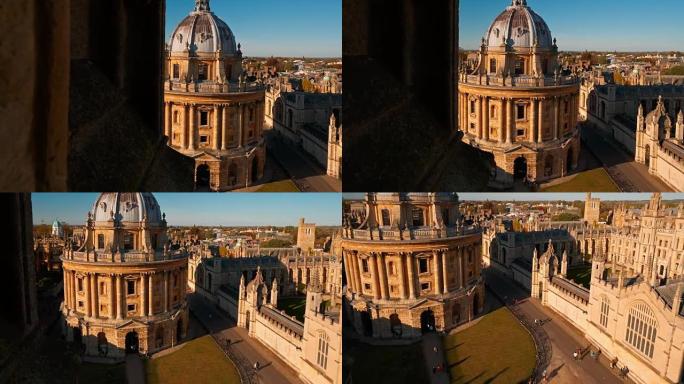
(380, 234)
(211, 87)
(518, 81)
(106, 256)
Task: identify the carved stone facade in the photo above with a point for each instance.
(517, 105)
(124, 290)
(211, 114)
(659, 146)
(410, 265)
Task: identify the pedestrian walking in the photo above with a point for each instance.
(256, 365)
(574, 355)
(434, 348)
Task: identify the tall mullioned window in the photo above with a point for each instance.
(605, 307)
(323, 346)
(492, 65)
(641, 329)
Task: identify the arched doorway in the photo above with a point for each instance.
(78, 338)
(520, 168)
(541, 290)
(255, 169)
(569, 161)
(132, 342)
(647, 156)
(367, 324)
(456, 314)
(232, 174)
(102, 344)
(247, 321)
(179, 330)
(548, 166)
(203, 176)
(395, 325)
(427, 321)
(476, 305)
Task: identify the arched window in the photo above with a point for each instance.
(100, 241)
(176, 71)
(322, 358)
(492, 65)
(417, 217)
(605, 307)
(202, 71)
(395, 325)
(175, 117)
(159, 339)
(386, 220)
(641, 329)
(289, 118)
(492, 112)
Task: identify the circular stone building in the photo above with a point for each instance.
(211, 113)
(124, 290)
(517, 105)
(411, 267)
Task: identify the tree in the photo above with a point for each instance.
(565, 216)
(677, 70)
(276, 243)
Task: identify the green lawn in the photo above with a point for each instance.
(595, 180)
(200, 361)
(384, 365)
(495, 350)
(279, 186)
(293, 306)
(581, 275)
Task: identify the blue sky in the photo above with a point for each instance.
(229, 209)
(589, 24)
(502, 196)
(295, 28)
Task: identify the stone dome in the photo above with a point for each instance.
(519, 27)
(203, 32)
(126, 208)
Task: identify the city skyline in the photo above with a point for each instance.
(185, 209)
(299, 28)
(547, 196)
(584, 25)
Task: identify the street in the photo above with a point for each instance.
(628, 174)
(563, 336)
(272, 369)
(304, 172)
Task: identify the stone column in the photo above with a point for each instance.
(510, 121)
(486, 118)
(241, 122)
(503, 121)
(347, 271)
(150, 293)
(412, 275)
(540, 133)
(88, 296)
(185, 127)
(169, 120)
(112, 296)
(357, 273)
(556, 117)
(445, 274)
(67, 294)
(143, 294)
(217, 121)
(402, 275)
(513, 118)
(533, 120)
(436, 273)
(224, 127)
(374, 275)
(459, 265)
(193, 127)
(95, 296)
(119, 298)
(480, 114)
(74, 287)
(382, 270)
(166, 291)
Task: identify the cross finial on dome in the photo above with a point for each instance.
(202, 5)
(519, 2)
